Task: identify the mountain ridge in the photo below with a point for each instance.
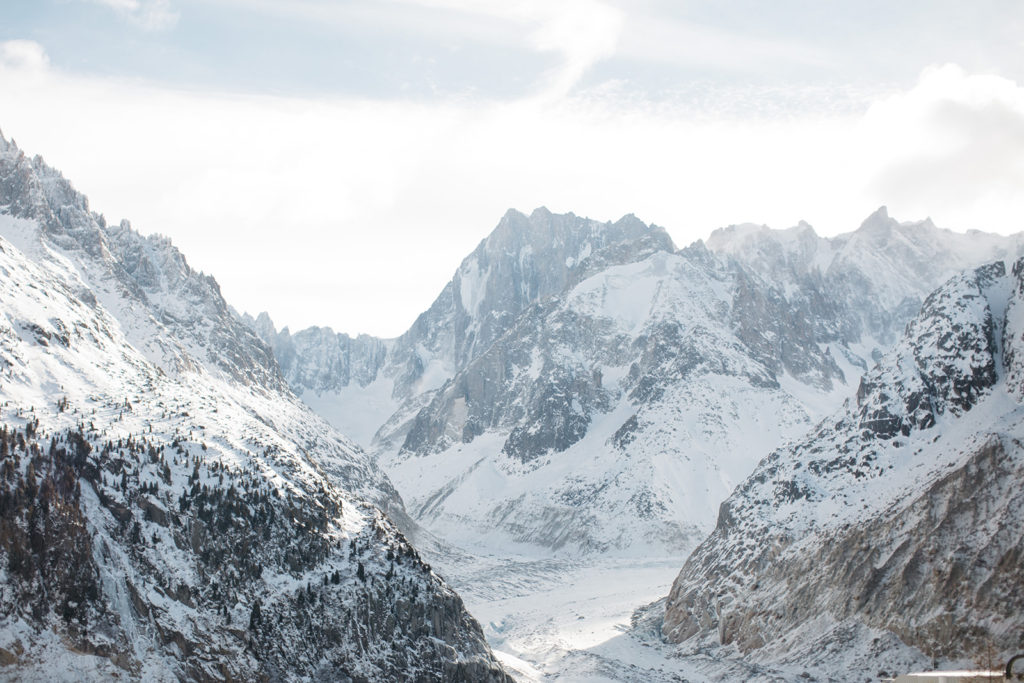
(802, 317)
(171, 510)
(904, 499)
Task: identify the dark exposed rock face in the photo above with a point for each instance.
(498, 390)
(954, 341)
(783, 335)
(900, 513)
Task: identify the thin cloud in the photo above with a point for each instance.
(582, 31)
(687, 44)
(150, 15)
(23, 55)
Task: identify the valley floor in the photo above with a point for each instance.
(554, 619)
(567, 619)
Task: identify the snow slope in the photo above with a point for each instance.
(895, 522)
(614, 416)
(170, 509)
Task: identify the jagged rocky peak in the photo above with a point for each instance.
(198, 327)
(866, 284)
(524, 259)
(894, 521)
(264, 328)
(879, 222)
(799, 245)
(318, 359)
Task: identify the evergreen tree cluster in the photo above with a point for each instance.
(214, 537)
(44, 540)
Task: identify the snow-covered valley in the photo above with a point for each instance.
(512, 486)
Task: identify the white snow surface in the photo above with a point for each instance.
(353, 410)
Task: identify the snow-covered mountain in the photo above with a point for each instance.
(358, 384)
(606, 418)
(616, 402)
(867, 283)
(171, 313)
(894, 527)
(170, 509)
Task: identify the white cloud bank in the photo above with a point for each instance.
(354, 213)
(953, 146)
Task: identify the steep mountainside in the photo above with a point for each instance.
(622, 402)
(169, 509)
(171, 313)
(353, 382)
(606, 418)
(900, 515)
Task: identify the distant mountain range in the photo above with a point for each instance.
(587, 384)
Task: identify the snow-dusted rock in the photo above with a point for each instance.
(898, 515)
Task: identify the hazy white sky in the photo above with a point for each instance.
(332, 162)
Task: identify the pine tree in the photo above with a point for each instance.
(256, 616)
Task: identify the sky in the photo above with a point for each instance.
(331, 162)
